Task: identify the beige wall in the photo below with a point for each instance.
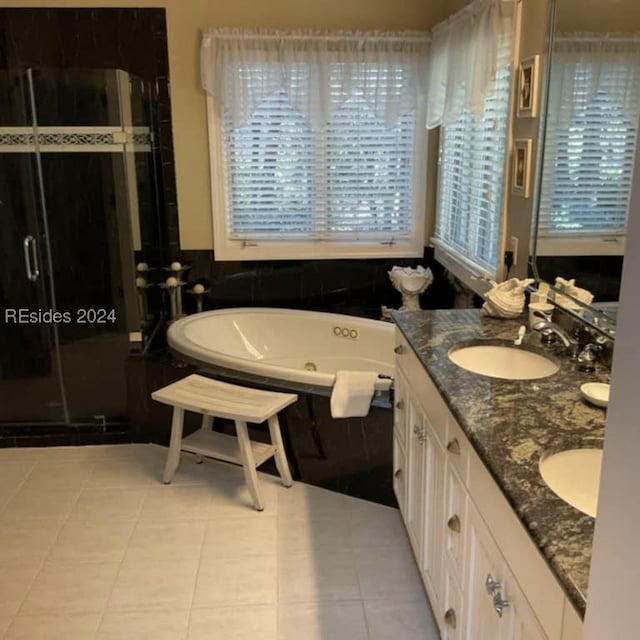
(598, 15)
(185, 21)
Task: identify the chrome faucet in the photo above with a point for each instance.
(549, 329)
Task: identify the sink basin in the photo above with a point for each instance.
(502, 359)
(574, 476)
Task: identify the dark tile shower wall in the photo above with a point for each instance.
(134, 40)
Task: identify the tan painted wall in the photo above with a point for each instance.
(185, 21)
(598, 15)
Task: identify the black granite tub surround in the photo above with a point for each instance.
(511, 423)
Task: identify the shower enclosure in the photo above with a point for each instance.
(78, 206)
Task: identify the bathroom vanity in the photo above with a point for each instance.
(501, 556)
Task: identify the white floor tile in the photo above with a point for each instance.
(408, 619)
(255, 622)
(377, 529)
(94, 546)
(108, 505)
(71, 587)
(317, 577)
(386, 572)
(322, 621)
(40, 504)
(14, 586)
(303, 500)
(83, 542)
(246, 536)
(232, 499)
(168, 502)
(236, 581)
(25, 540)
(125, 474)
(58, 475)
(163, 586)
(300, 534)
(54, 626)
(144, 625)
(159, 541)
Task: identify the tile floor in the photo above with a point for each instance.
(93, 546)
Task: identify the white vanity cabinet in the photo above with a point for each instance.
(484, 576)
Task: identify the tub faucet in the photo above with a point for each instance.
(550, 329)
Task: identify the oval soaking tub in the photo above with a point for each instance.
(299, 346)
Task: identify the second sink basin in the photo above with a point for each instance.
(502, 359)
(574, 476)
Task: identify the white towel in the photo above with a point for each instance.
(352, 393)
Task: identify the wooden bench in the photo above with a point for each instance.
(215, 399)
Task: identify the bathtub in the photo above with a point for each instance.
(298, 346)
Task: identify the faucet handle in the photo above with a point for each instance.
(588, 357)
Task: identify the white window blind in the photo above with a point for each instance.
(471, 177)
(590, 145)
(352, 180)
(322, 141)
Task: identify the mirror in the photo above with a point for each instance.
(587, 150)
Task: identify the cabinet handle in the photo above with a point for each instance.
(453, 446)
(492, 586)
(454, 524)
(399, 349)
(416, 429)
(450, 618)
(500, 604)
(398, 473)
(400, 405)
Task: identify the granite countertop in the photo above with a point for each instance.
(511, 423)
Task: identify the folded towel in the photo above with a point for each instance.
(352, 393)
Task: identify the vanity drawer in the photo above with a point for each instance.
(400, 408)
(399, 474)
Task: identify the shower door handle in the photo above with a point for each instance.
(31, 258)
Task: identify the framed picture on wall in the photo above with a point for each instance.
(528, 88)
(521, 171)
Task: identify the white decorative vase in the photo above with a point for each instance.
(410, 283)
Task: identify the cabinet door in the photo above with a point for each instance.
(495, 607)
(451, 627)
(400, 408)
(400, 475)
(415, 479)
(433, 528)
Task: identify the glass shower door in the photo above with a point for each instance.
(31, 387)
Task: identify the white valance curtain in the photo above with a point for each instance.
(590, 65)
(318, 71)
(468, 50)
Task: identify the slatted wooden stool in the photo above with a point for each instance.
(214, 399)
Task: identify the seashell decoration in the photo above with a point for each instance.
(569, 287)
(506, 299)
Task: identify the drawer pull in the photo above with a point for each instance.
(454, 524)
(492, 586)
(398, 473)
(399, 349)
(500, 604)
(416, 429)
(454, 447)
(450, 618)
(400, 405)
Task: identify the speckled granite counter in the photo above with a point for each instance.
(510, 424)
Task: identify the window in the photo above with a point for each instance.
(590, 145)
(471, 180)
(472, 62)
(295, 183)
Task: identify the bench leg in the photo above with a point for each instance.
(207, 425)
(173, 457)
(248, 463)
(280, 456)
